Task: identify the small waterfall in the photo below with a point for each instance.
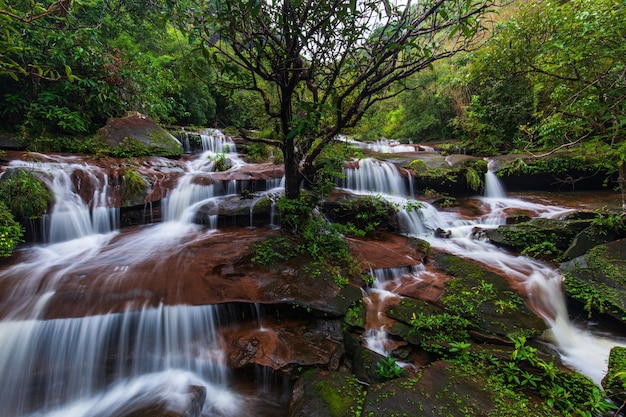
(493, 185)
(71, 216)
(373, 176)
(387, 283)
(216, 142)
(87, 354)
(196, 187)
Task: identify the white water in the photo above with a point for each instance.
(72, 217)
(111, 364)
(580, 348)
(104, 365)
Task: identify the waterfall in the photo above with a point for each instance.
(380, 178)
(71, 216)
(493, 185)
(373, 176)
(135, 348)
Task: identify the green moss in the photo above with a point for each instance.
(599, 281)
(25, 194)
(341, 393)
(615, 380)
(134, 186)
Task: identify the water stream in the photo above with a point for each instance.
(579, 347)
(111, 364)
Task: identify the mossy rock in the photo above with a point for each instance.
(485, 299)
(614, 383)
(598, 280)
(443, 389)
(364, 360)
(326, 394)
(137, 135)
(25, 194)
(520, 236)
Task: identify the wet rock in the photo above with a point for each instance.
(597, 280)
(364, 360)
(325, 394)
(285, 344)
(587, 239)
(536, 231)
(388, 250)
(136, 128)
(485, 298)
(613, 382)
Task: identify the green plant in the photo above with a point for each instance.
(388, 368)
(543, 250)
(11, 232)
(24, 193)
(220, 161)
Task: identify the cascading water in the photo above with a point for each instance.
(542, 281)
(71, 216)
(77, 360)
(124, 362)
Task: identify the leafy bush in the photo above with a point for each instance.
(25, 194)
(11, 232)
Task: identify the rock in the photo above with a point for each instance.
(136, 129)
(536, 231)
(485, 299)
(597, 280)
(285, 344)
(364, 360)
(613, 382)
(325, 394)
(587, 239)
(441, 390)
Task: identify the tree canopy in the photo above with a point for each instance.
(319, 65)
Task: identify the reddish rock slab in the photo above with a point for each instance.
(388, 251)
(284, 343)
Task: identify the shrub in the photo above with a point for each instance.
(25, 194)
(11, 232)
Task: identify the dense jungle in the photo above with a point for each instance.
(312, 208)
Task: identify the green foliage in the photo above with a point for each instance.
(134, 184)
(257, 152)
(11, 232)
(388, 368)
(220, 162)
(546, 250)
(25, 194)
(310, 236)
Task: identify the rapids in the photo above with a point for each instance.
(155, 351)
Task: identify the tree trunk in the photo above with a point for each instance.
(621, 180)
(293, 177)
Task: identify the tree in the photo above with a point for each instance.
(575, 55)
(319, 65)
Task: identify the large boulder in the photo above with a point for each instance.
(597, 280)
(136, 130)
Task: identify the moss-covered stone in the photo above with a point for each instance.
(25, 194)
(598, 280)
(614, 383)
(326, 394)
(485, 299)
(446, 389)
(543, 238)
(137, 135)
